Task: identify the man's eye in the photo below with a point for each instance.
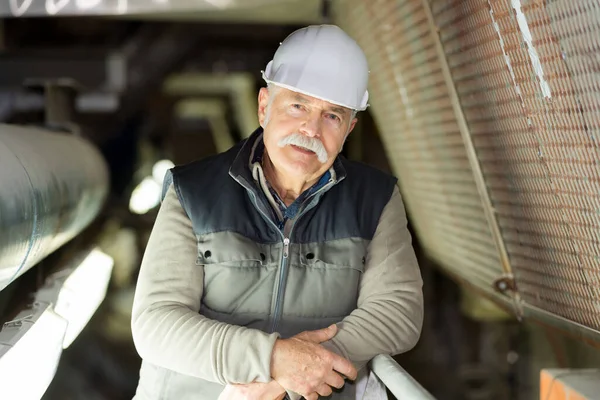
(333, 117)
(297, 106)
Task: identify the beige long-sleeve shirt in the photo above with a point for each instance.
(169, 332)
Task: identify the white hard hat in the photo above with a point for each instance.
(322, 61)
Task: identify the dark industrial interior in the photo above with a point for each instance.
(490, 123)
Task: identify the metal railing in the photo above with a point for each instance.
(397, 380)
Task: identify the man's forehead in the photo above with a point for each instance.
(306, 99)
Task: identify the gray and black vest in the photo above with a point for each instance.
(256, 275)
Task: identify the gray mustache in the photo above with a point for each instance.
(312, 144)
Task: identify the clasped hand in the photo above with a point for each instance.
(301, 365)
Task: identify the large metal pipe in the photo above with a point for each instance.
(52, 185)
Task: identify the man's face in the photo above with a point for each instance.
(296, 122)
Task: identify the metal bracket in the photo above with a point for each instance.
(505, 284)
(59, 99)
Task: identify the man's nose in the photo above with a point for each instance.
(312, 126)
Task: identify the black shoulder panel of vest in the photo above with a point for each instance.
(351, 208)
(215, 202)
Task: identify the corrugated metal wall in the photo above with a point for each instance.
(518, 82)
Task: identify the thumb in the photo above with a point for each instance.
(320, 335)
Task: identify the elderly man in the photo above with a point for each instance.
(279, 268)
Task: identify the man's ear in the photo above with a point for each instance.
(263, 103)
(350, 128)
(352, 125)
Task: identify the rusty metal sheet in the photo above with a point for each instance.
(529, 99)
(411, 105)
(526, 75)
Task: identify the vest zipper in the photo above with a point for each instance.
(287, 233)
(286, 247)
(282, 278)
(285, 255)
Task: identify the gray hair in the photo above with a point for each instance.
(273, 90)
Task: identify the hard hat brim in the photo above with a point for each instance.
(297, 90)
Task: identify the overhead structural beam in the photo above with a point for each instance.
(97, 70)
(214, 111)
(34, 80)
(21, 101)
(288, 12)
(239, 87)
(152, 55)
(53, 186)
(50, 8)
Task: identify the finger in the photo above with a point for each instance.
(320, 335)
(335, 380)
(312, 396)
(324, 390)
(344, 367)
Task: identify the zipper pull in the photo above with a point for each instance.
(286, 247)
